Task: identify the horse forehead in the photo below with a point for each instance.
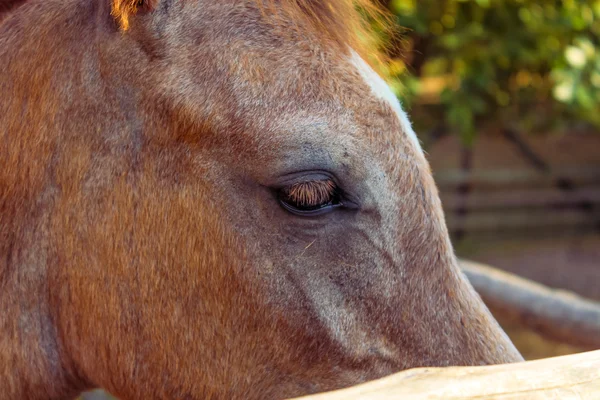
(382, 91)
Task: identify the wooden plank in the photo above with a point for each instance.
(519, 219)
(569, 377)
(546, 197)
(516, 177)
(556, 314)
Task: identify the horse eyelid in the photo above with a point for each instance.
(310, 198)
(310, 213)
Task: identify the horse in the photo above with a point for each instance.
(205, 200)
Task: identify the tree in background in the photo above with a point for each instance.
(468, 66)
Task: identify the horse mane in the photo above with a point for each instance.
(345, 22)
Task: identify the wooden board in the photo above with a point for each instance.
(556, 314)
(574, 376)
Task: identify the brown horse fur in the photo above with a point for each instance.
(143, 248)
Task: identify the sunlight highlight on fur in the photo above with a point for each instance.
(381, 89)
(349, 23)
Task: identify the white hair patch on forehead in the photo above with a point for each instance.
(383, 92)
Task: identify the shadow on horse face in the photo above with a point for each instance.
(223, 200)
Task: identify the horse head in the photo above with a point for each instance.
(207, 199)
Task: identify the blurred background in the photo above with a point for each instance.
(505, 96)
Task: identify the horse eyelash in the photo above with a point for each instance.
(311, 193)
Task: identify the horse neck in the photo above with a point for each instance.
(40, 57)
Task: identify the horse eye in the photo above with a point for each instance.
(310, 198)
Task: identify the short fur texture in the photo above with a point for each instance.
(142, 245)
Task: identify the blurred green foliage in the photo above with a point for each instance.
(475, 65)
